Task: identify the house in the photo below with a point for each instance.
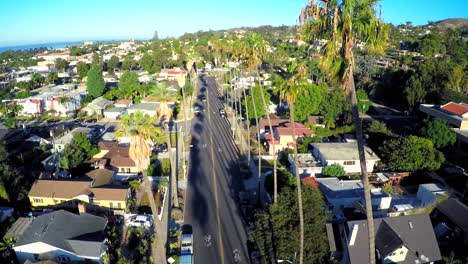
(63, 237)
(94, 189)
(284, 136)
(344, 154)
(124, 103)
(450, 220)
(306, 162)
(150, 109)
(264, 127)
(67, 138)
(97, 106)
(429, 193)
(343, 194)
(116, 157)
(114, 112)
(402, 239)
(456, 114)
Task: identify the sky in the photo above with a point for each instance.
(48, 21)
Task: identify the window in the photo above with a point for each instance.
(349, 162)
(37, 200)
(122, 169)
(128, 170)
(63, 258)
(36, 256)
(401, 252)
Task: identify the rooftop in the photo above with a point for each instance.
(343, 151)
(144, 106)
(305, 160)
(456, 108)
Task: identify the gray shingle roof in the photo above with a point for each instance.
(415, 231)
(81, 234)
(456, 211)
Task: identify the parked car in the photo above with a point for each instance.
(90, 121)
(244, 198)
(454, 170)
(162, 148)
(140, 221)
(203, 98)
(222, 113)
(196, 110)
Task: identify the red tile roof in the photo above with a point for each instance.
(310, 182)
(458, 109)
(301, 130)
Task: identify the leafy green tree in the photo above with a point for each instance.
(309, 104)
(52, 77)
(128, 64)
(430, 45)
(112, 63)
(304, 147)
(275, 229)
(22, 94)
(378, 133)
(95, 82)
(83, 142)
(129, 84)
(334, 170)
(439, 132)
(61, 64)
(37, 79)
(82, 68)
(414, 91)
(332, 107)
(257, 98)
(72, 156)
(411, 153)
(363, 101)
(97, 59)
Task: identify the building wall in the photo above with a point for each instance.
(51, 202)
(101, 154)
(397, 256)
(44, 251)
(127, 169)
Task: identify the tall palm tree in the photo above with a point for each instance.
(294, 87)
(143, 134)
(165, 114)
(345, 23)
(258, 51)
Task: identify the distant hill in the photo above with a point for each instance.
(451, 23)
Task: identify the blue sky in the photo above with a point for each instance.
(46, 21)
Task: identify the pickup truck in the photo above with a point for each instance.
(186, 249)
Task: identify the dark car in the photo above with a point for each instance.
(79, 120)
(90, 121)
(196, 110)
(248, 211)
(162, 148)
(244, 198)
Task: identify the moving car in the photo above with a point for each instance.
(140, 221)
(222, 113)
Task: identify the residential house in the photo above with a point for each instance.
(429, 193)
(450, 220)
(456, 114)
(58, 144)
(284, 136)
(308, 165)
(124, 103)
(150, 109)
(116, 157)
(344, 154)
(52, 56)
(63, 237)
(97, 106)
(344, 194)
(94, 189)
(31, 107)
(114, 112)
(402, 239)
(264, 127)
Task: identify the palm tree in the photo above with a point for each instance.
(165, 114)
(15, 108)
(344, 23)
(258, 52)
(295, 86)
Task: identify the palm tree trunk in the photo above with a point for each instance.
(275, 177)
(248, 126)
(259, 157)
(175, 196)
(298, 183)
(365, 178)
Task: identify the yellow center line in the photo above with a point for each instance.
(215, 186)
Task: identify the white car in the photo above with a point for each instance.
(140, 221)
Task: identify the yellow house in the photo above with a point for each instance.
(115, 157)
(93, 189)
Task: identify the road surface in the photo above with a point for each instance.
(211, 206)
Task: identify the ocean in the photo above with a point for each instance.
(55, 45)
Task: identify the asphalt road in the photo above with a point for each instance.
(214, 180)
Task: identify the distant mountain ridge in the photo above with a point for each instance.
(450, 23)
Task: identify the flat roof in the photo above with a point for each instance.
(343, 151)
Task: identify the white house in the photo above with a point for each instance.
(308, 165)
(345, 154)
(147, 108)
(114, 112)
(62, 237)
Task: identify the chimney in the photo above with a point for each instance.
(353, 234)
(81, 208)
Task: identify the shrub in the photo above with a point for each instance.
(177, 214)
(334, 170)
